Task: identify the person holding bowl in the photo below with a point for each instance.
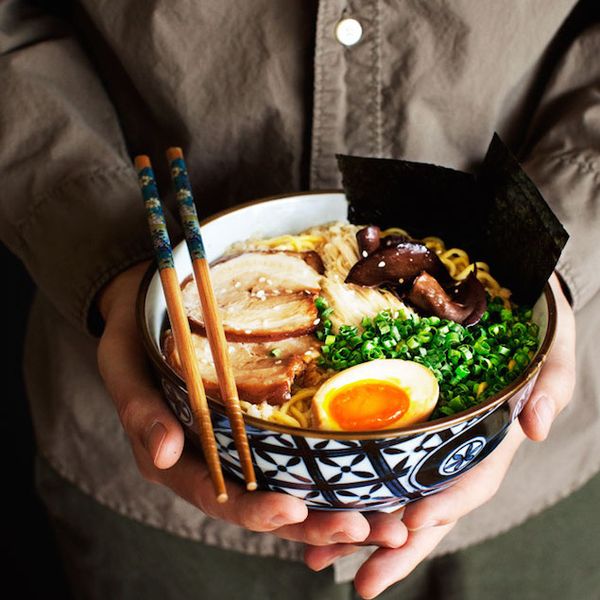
(262, 95)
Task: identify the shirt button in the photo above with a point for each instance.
(348, 32)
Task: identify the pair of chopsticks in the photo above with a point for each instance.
(179, 321)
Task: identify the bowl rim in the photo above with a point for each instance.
(428, 427)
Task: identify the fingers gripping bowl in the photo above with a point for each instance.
(380, 469)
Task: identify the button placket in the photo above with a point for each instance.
(347, 95)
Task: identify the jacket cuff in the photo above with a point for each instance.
(78, 236)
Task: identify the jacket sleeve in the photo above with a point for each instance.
(69, 204)
(564, 161)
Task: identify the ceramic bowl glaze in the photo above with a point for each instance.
(337, 470)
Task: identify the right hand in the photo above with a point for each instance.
(157, 441)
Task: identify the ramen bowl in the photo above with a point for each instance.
(377, 470)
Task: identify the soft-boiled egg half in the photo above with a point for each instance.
(380, 394)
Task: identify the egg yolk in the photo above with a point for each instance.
(367, 405)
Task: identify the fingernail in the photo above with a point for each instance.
(155, 439)
(426, 525)
(341, 537)
(280, 520)
(543, 409)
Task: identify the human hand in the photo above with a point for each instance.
(431, 519)
(157, 442)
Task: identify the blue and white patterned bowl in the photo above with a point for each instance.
(337, 470)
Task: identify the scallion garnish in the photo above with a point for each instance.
(470, 363)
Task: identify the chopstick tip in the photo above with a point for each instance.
(174, 152)
(142, 161)
(251, 486)
(222, 498)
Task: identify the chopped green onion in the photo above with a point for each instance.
(413, 343)
(424, 337)
(470, 363)
(497, 329)
(481, 347)
(466, 353)
(521, 359)
(454, 356)
(321, 303)
(462, 371)
(452, 338)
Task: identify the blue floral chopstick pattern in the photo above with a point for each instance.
(187, 209)
(156, 219)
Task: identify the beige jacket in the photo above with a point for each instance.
(261, 95)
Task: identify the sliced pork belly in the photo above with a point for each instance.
(311, 258)
(261, 296)
(263, 371)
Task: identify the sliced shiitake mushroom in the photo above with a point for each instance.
(396, 265)
(464, 303)
(368, 240)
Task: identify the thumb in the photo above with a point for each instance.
(554, 387)
(155, 434)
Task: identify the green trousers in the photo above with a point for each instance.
(553, 556)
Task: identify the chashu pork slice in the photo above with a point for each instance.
(261, 297)
(263, 371)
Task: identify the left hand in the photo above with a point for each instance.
(430, 519)
(157, 443)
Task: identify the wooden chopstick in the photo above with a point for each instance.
(210, 313)
(179, 321)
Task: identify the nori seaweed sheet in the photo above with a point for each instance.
(404, 194)
(522, 235)
(497, 214)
